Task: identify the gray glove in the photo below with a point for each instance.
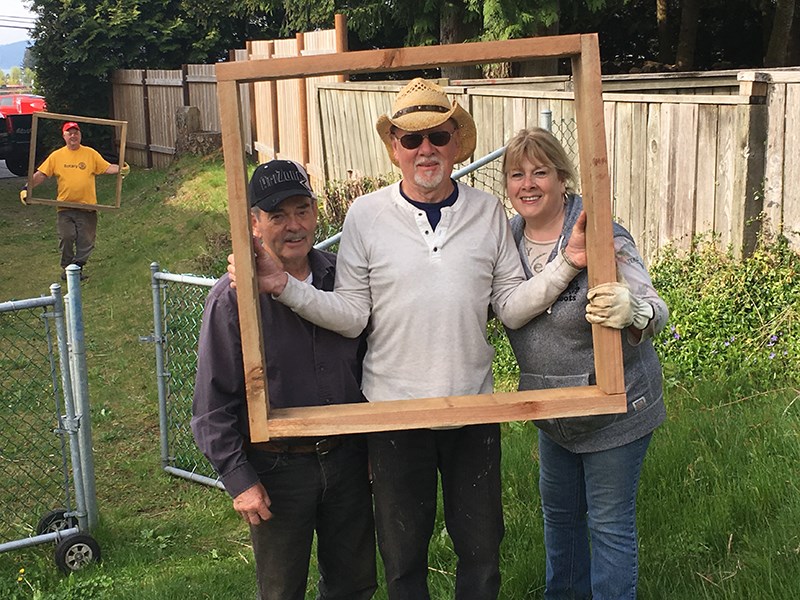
(613, 305)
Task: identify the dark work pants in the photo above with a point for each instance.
(77, 230)
(404, 471)
(329, 494)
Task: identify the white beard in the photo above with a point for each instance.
(430, 182)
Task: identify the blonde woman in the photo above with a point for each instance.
(589, 467)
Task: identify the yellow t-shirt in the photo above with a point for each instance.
(76, 170)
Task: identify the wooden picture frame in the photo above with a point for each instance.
(607, 396)
(32, 161)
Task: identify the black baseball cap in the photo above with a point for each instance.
(275, 181)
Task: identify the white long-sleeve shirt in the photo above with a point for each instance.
(424, 295)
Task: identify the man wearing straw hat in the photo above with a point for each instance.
(420, 263)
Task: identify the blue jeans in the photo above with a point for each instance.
(589, 507)
(327, 493)
(404, 482)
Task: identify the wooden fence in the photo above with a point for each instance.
(280, 120)
(286, 114)
(680, 164)
(147, 99)
(688, 153)
(782, 156)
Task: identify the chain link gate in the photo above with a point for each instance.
(178, 302)
(49, 475)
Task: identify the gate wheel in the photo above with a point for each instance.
(76, 551)
(54, 521)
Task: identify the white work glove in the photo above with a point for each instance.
(613, 305)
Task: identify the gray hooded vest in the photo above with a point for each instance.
(555, 350)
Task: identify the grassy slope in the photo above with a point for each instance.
(718, 506)
(148, 518)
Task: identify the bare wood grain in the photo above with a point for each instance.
(247, 292)
(397, 59)
(597, 201)
(449, 411)
(607, 396)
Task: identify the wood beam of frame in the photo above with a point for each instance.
(123, 125)
(607, 396)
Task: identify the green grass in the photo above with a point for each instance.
(719, 501)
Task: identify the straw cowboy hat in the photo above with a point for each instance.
(423, 105)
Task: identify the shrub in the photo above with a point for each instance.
(504, 366)
(731, 319)
(339, 195)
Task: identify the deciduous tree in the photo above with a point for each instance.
(79, 43)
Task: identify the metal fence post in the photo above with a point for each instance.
(70, 422)
(158, 340)
(546, 119)
(81, 389)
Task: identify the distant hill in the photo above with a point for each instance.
(11, 55)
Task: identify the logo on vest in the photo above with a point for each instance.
(571, 293)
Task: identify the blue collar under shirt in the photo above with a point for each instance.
(434, 209)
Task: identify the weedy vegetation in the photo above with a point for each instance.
(719, 501)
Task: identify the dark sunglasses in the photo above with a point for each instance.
(414, 140)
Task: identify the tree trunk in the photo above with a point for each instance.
(542, 67)
(454, 29)
(793, 51)
(687, 37)
(777, 50)
(664, 43)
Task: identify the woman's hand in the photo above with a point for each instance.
(575, 251)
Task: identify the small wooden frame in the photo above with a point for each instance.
(608, 396)
(32, 161)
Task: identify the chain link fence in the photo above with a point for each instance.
(487, 173)
(46, 496)
(178, 302)
(32, 434)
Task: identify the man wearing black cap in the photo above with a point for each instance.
(288, 488)
(75, 166)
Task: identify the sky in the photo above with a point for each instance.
(10, 13)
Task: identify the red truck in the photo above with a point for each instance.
(21, 104)
(15, 129)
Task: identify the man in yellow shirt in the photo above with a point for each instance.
(76, 167)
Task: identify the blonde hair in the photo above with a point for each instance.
(540, 146)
